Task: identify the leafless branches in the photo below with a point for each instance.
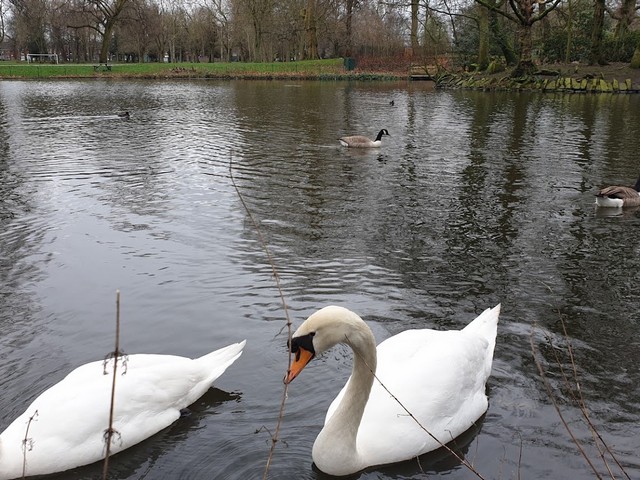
(571, 383)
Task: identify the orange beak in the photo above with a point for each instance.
(302, 357)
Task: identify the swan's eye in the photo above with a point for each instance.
(305, 342)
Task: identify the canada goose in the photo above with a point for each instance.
(619, 196)
(439, 376)
(70, 418)
(359, 141)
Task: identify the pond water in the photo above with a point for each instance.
(476, 198)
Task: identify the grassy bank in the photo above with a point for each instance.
(309, 69)
(573, 78)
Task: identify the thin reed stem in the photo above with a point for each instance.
(585, 412)
(547, 386)
(276, 435)
(109, 431)
(575, 391)
(26, 442)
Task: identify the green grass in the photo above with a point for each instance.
(320, 69)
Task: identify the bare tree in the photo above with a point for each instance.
(101, 16)
(259, 13)
(222, 14)
(525, 15)
(30, 23)
(414, 26)
(2, 25)
(350, 5)
(625, 14)
(311, 39)
(483, 47)
(595, 54)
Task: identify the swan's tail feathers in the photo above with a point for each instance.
(486, 325)
(218, 361)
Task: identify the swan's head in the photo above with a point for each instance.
(321, 331)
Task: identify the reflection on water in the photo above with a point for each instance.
(475, 198)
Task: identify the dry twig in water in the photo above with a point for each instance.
(27, 442)
(276, 435)
(108, 434)
(573, 386)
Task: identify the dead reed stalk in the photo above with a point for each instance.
(276, 435)
(109, 432)
(572, 384)
(26, 443)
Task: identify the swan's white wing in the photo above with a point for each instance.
(438, 376)
(68, 430)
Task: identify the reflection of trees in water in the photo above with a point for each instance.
(21, 236)
(484, 220)
(77, 142)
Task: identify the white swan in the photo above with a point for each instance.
(359, 141)
(439, 376)
(619, 196)
(71, 417)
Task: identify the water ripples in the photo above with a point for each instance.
(474, 199)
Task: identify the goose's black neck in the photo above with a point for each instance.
(384, 132)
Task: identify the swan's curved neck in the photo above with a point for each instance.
(336, 443)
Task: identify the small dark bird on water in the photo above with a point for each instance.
(392, 103)
(124, 115)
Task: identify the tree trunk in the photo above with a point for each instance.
(525, 63)
(257, 41)
(568, 46)
(414, 27)
(502, 39)
(635, 61)
(349, 19)
(311, 48)
(483, 47)
(595, 54)
(106, 40)
(625, 17)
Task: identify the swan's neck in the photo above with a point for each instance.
(336, 443)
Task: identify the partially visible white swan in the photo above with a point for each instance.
(71, 417)
(439, 376)
(359, 141)
(617, 196)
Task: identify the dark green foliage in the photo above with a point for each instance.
(555, 45)
(620, 50)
